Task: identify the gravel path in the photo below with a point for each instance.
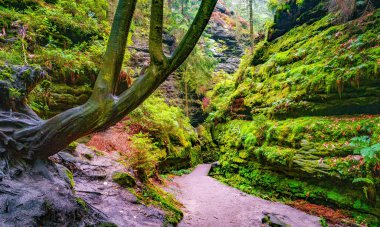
(210, 203)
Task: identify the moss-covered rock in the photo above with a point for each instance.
(310, 158)
(293, 13)
(315, 69)
(49, 99)
(269, 144)
(153, 195)
(124, 179)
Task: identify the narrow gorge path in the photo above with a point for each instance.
(207, 202)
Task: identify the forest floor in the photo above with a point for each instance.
(207, 202)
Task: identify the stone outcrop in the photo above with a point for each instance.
(41, 195)
(73, 188)
(224, 35)
(293, 15)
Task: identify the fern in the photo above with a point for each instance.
(362, 141)
(371, 153)
(361, 180)
(363, 147)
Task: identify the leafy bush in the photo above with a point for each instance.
(167, 125)
(144, 156)
(169, 131)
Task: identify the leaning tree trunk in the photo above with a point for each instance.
(23, 135)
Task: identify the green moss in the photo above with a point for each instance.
(256, 179)
(154, 195)
(123, 179)
(82, 203)
(68, 34)
(70, 176)
(243, 154)
(323, 222)
(278, 151)
(166, 134)
(73, 145)
(98, 153)
(53, 98)
(6, 73)
(89, 156)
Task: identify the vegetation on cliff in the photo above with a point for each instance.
(276, 125)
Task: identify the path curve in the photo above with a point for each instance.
(208, 202)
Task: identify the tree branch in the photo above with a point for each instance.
(156, 74)
(113, 58)
(155, 37)
(41, 139)
(193, 34)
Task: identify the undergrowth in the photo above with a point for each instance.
(150, 194)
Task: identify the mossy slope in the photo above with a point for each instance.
(317, 69)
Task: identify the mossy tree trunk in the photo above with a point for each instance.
(25, 136)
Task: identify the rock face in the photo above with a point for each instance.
(301, 158)
(299, 74)
(308, 11)
(15, 83)
(227, 51)
(41, 195)
(295, 14)
(223, 35)
(58, 97)
(71, 190)
(94, 175)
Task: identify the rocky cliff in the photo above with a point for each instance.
(316, 69)
(278, 125)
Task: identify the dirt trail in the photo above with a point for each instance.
(210, 203)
